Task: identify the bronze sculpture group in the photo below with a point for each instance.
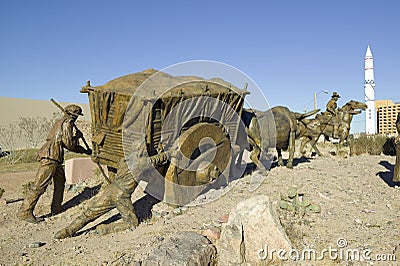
(111, 102)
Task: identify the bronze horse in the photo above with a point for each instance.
(312, 129)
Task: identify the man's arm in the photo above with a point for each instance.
(330, 108)
(71, 142)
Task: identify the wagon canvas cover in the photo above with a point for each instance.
(142, 101)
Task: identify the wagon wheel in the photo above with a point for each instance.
(203, 154)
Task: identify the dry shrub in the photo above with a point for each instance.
(20, 141)
(370, 144)
(389, 147)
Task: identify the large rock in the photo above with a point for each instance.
(251, 233)
(184, 248)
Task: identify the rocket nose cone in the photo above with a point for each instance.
(368, 53)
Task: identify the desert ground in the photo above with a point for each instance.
(359, 206)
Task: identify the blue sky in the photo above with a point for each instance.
(291, 49)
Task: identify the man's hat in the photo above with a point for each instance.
(335, 95)
(73, 109)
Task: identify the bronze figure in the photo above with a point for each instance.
(396, 174)
(331, 112)
(51, 157)
(322, 124)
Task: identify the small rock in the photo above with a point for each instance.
(216, 224)
(201, 197)
(188, 247)
(224, 218)
(177, 211)
(367, 211)
(159, 214)
(35, 245)
(159, 238)
(155, 214)
(358, 221)
(212, 233)
(205, 225)
(164, 213)
(3, 202)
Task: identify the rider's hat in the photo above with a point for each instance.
(335, 95)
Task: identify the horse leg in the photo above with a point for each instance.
(303, 144)
(280, 160)
(315, 147)
(350, 141)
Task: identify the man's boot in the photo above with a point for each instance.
(103, 229)
(71, 229)
(56, 207)
(25, 212)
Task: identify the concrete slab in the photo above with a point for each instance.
(80, 169)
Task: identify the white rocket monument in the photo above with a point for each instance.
(369, 91)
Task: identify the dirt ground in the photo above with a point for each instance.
(359, 207)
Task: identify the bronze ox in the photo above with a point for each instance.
(312, 129)
(278, 127)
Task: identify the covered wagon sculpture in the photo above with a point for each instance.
(179, 135)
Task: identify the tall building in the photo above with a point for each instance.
(387, 112)
(369, 92)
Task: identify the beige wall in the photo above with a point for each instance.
(11, 109)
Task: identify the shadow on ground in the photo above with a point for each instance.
(142, 207)
(296, 161)
(86, 194)
(387, 176)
